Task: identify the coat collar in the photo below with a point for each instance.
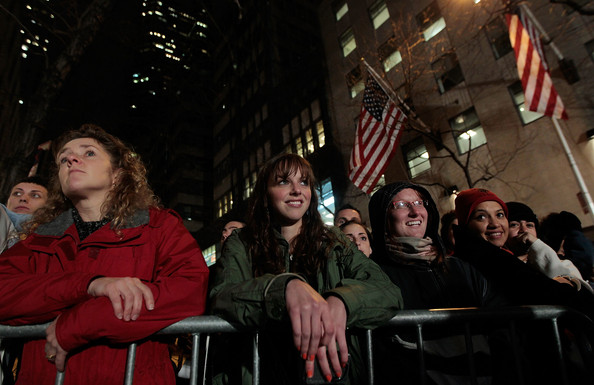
(62, 222)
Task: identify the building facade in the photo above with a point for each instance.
(452, 64)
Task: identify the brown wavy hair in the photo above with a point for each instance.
(130, 193)
(309, 254)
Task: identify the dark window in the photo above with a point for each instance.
(447, 72)
(498, 37)
(355, 81)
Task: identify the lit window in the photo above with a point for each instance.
(347, 42)
(340, 9)
(467, 131)
(210, 255)
(517, 94)
(430, 21)
(447, 72)
(417, 157)
(389, 54)
(321, 134)
(299, 147)
(326, 204)
(309, 143)
(498, 36)
(379, 13)
(355, 82)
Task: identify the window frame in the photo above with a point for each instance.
(379, 13)
(413, 146)
(517, 92)
(450, 72)
(345, 40)
(476, 126)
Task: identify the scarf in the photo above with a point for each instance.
(86, 228)
(410, 249)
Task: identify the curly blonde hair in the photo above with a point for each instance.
(130, 193)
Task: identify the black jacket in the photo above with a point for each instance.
(516, 281)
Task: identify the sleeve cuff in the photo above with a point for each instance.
(275, 303)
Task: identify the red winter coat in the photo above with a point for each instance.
(47, 275)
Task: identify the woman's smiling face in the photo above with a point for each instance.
(489, 222)
(410, 220)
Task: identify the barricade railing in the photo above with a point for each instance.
(417, 319)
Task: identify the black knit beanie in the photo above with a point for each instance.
(520, 212)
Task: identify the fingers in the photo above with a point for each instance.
(53, 351)
(315, 331)
(309, 368)
(334, 359)
(343, 348)
(60, 361)
(324, 365)
(126, 295)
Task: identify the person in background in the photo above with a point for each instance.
(407, 246)
(359, 234)
(299, 282)
(229, 227)
(347, 213)
(563, 233)
(104, 265)
(448, 220)
(524, 243)
(26, 196)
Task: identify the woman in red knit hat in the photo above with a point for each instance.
(480, 239)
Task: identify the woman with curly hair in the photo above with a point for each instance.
(105, 265)
(299, 281)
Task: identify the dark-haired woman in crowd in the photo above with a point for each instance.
(104, 265)
(299, 281)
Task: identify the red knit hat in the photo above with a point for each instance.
(467, 200)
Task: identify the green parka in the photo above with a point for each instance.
(369, 296)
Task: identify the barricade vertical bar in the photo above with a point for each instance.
(559, 351)
(130, 361)
(470, 353)
(513, 337)
(194, 363)
(59, 378)
(369, 349)
(421, 354)
(256, 363)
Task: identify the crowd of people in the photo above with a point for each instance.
(92, 253)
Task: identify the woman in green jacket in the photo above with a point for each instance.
(286, 272)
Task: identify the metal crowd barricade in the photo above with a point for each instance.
(417, 319)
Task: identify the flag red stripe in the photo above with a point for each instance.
(539, 93)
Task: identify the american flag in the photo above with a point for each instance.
(539, 92)
(377, 137)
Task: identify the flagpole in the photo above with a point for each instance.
(570, 158)
(574, 167)
(541, 30)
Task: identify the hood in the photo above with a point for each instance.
(378, 210)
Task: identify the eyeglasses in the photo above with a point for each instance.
(402, 205)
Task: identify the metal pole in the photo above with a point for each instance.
(59, 378)
(130, 362)
(194, 362)
(541, 30)
(574, 168)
